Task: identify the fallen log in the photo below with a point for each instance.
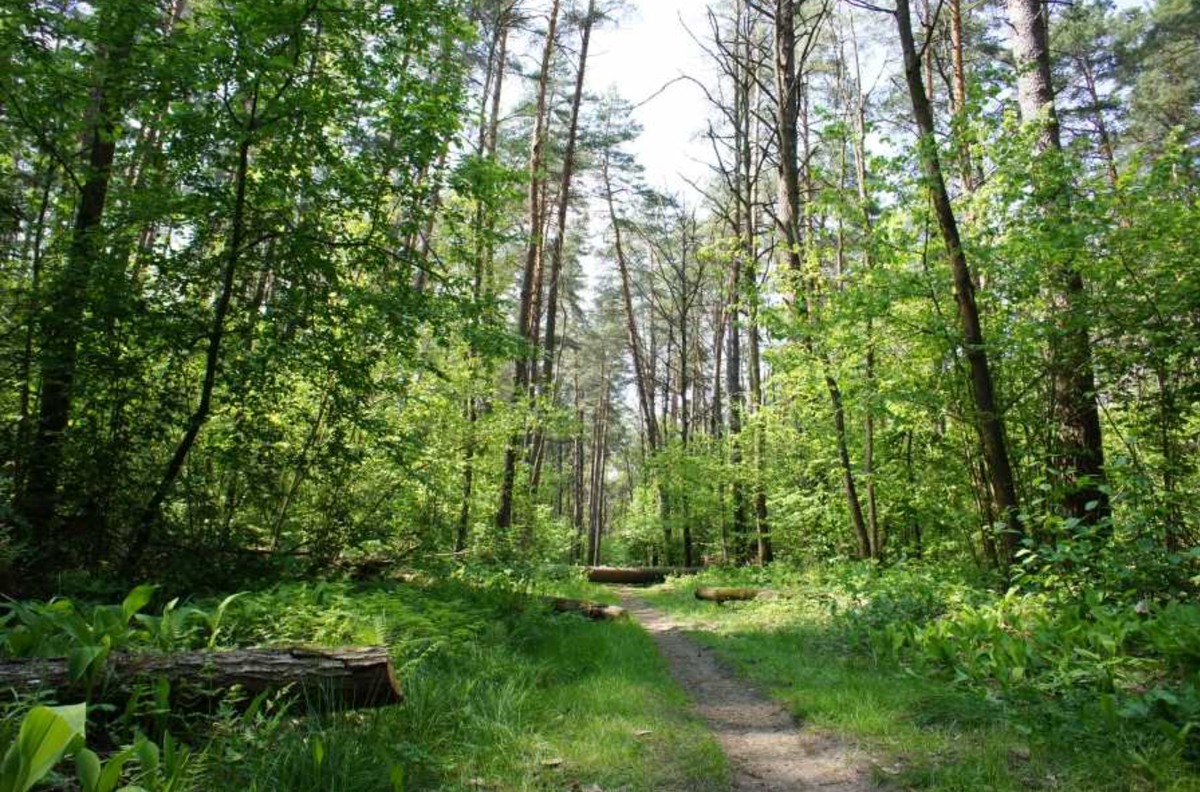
(593, 610)
(636, 575)
(325, 679)
(713, 594)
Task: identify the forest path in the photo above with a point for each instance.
(768, 750)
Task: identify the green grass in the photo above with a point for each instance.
(498, 695)
(923, 732)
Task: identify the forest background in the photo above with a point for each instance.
(293, 287)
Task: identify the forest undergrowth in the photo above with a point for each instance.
(951, 685)
(498, 694)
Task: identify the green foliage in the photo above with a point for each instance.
(88, 634)
(915, 660)
(494, 685)
(46, 734)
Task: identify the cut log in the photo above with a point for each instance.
(733, 594)
(325, 679)
(593, 610)
(636, 575)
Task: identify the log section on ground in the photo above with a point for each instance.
(324, 679)
(635, 575)
(728, 594)
(593, 610)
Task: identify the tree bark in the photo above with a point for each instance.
(602, 574)
(1080, 440)
(959, 95)
(483, 281)
(351, 677)
(640, 372)
(788, 122)
(521, 377)
(989, 422)
(64, 323)
(216, 334)
(592, 610)
(564, 197)
(712, 594)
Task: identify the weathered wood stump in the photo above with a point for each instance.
(346, 678)
(635, 575)
(713, 594)
(593, 610)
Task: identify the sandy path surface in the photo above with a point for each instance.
(768, 750)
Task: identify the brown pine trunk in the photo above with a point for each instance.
(68, 299)
(874, 530)
(959, 95)
(1080, 440)
(533, 249)
(989, 422)
(24, 424)
(641, 374)
(484, 221)
(577, 477)
(788, 109)
(521, 377)
(564, 197)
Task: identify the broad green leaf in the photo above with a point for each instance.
(136, 600)
(112, 771)
(81, 661)
(46, 733)
(147, 755)
(87, 767)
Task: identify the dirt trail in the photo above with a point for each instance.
(769, 752)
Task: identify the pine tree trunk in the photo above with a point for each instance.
(323, 679)
(1080, 440)
(564, 197)
(68, 300)
(521, 377)
(988, 419)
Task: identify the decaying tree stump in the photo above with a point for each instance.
(345, 678)
(730, 594)
(593, 610)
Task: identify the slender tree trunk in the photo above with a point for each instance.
(533, 250)
(216, 334)
(35, 286)
(564, 197)
(959, 95)
(864, 199)
(989, 421)
(788, 108)
(485, 221)
(640, 372)
(1105, 137)
(577, 474)
(85, 265)
(504, 514)
(1080, 440)
(733, 385)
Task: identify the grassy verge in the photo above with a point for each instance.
(926, 731)
(499, 695)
